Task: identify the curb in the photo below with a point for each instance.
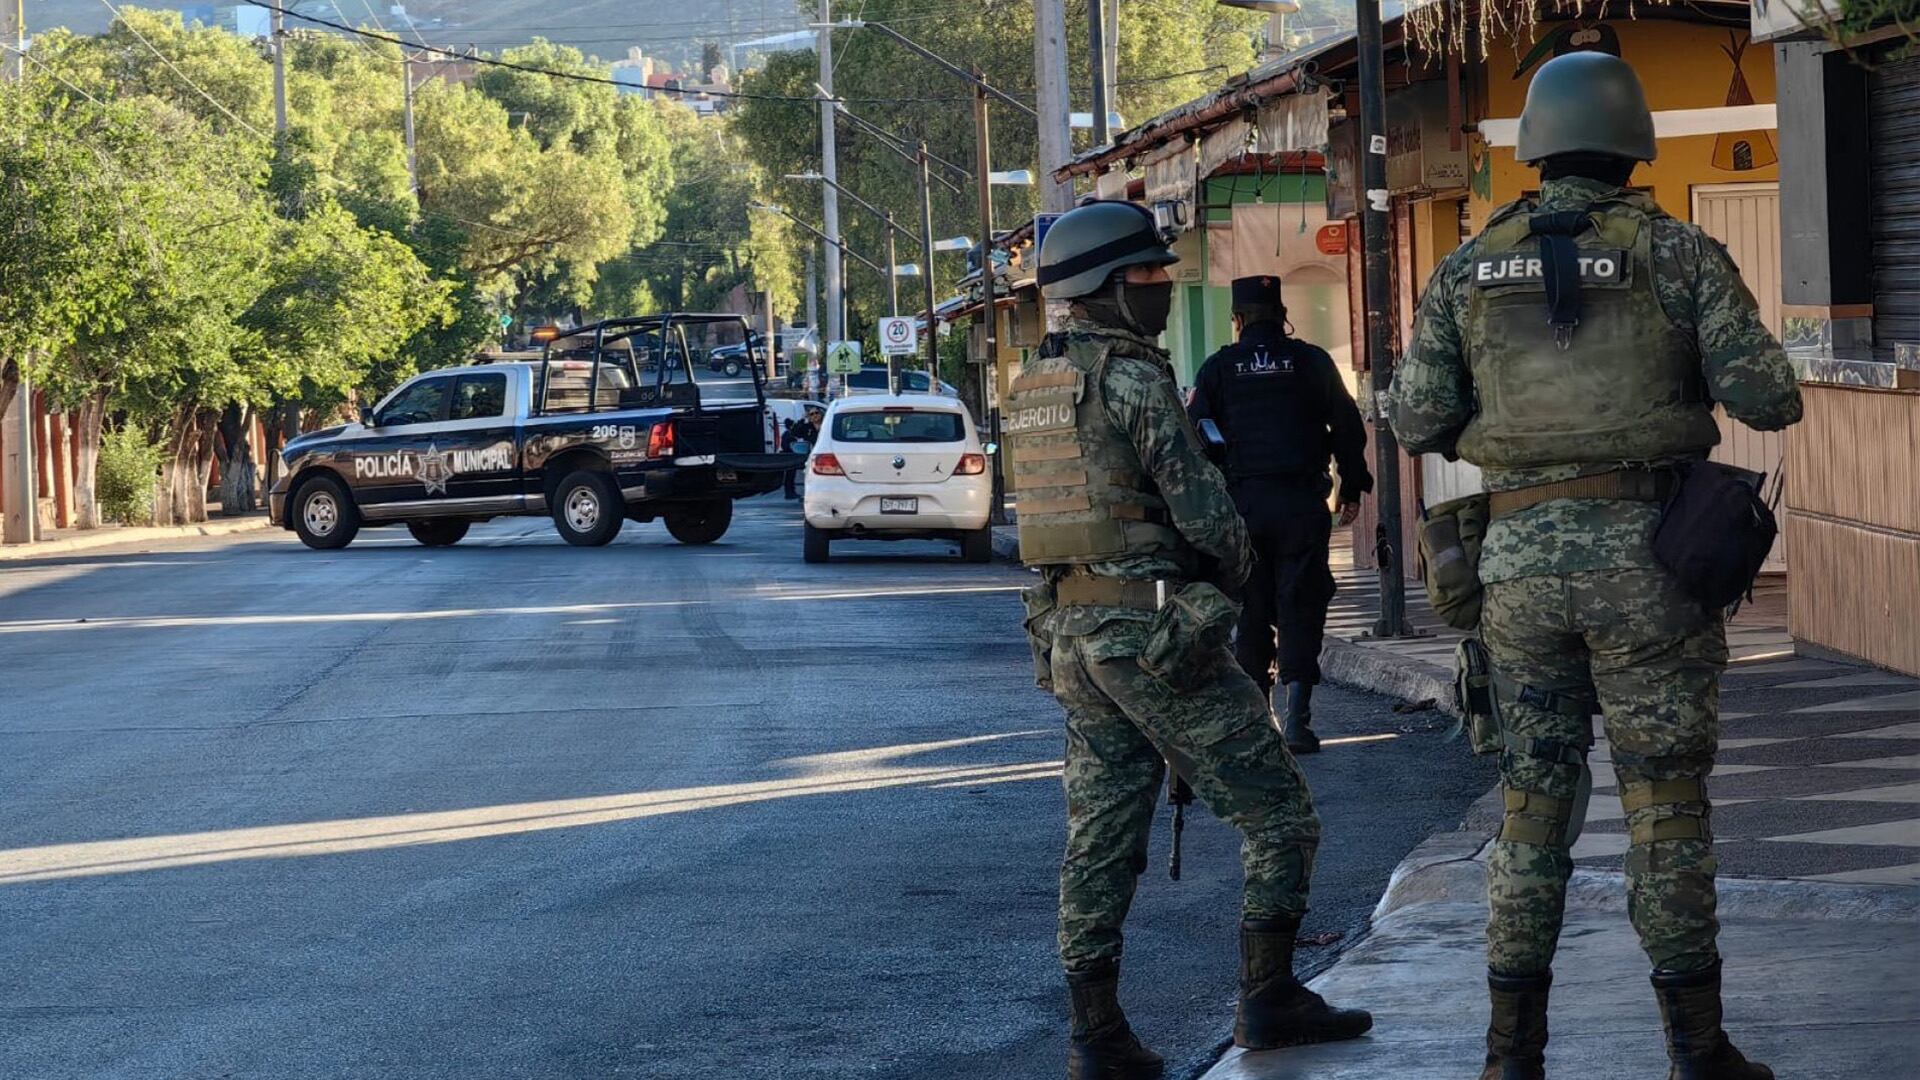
(109, 537)
(1379, 671)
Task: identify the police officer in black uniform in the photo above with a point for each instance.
(1284, 411)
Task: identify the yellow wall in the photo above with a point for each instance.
(1682, 66)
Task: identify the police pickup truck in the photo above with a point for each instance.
(609, 425)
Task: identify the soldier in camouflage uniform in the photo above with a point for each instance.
(1574, 350)
(1118, 506)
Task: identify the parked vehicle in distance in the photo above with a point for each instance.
(899, 467)
(872, 379)
(731, 359)
(609, 426)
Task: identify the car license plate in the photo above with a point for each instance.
(900, 506)
(727, 476)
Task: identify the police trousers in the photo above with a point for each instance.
(1651, 658)
(1286, 597)
(1122, 726)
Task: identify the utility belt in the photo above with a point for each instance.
(1095, 590)
(1641, 485)
(1451, 534)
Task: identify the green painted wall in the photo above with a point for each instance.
(1202, 319)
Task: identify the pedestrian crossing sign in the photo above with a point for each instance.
(843, 358)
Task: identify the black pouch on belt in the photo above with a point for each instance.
(1715, 532)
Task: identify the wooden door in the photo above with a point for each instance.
(1746, 218)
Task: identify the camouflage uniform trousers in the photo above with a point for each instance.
(1652, 657)
(1122, 725)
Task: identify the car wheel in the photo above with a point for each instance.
(732, 370)
(324, 516)
(700, 523)
(815, 545)
(439, 533)
(977, 546)
(587, 510)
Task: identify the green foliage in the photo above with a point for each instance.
(128, 469)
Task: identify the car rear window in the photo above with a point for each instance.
(898, 426)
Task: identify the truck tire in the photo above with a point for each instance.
(323, 514)
(977, 546)
(814, 547)
(700, 523)
(587, 508)
(441, 532)
(731, 369)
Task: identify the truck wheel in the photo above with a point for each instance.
(732, 369)
(587, 508)
(815, 546)
(977, 546)
(700, 523)
(439, 533)
(323, 514)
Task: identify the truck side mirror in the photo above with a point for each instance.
(366, 416)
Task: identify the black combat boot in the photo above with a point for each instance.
(1517, 1033)
(1275, 1009)
(1299, 736)
(1103, 1047)
(1696, 1043)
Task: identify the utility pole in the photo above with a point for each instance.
(279, 70)
(13, 17)
(983, 172)
(1379, 300)
(413, 159)
(1050, 82)
(1097, 46)
(925, 161)
(830, 168)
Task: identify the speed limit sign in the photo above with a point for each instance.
(896, 336)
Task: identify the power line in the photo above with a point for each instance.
(572, 76)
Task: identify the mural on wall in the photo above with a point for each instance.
(1741, 151)
(1577, 37)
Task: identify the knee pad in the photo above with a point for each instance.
(1536, 818)
(1662, 811)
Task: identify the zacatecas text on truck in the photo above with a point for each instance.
(609, 425)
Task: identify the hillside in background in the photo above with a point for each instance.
(671, 29)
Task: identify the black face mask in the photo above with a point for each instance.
(1144, 307)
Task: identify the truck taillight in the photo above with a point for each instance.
(971, 465)
(827, 465)
(660, 441)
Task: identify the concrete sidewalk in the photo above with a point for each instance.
(68, 541)
(1817, 817)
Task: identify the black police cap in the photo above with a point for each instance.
(1261, 289)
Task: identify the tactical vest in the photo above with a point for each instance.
(1623, 385)
(1080, 491)
(1275, 411)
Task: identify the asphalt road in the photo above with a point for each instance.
(515, 809)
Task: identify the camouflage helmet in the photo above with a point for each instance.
(1090, 242)
(1585, 102)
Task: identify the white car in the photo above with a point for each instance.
(899, 467)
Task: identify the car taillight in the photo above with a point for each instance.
(971, 465)
(827, 465)
(660, 441)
